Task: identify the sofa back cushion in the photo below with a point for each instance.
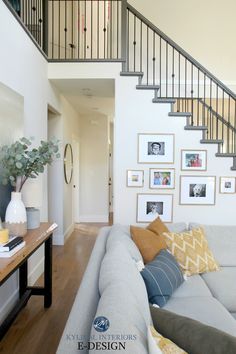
(126, 323)
(222, 242)
(118, 266)
(121, 234)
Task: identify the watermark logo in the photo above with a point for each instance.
(101, 324)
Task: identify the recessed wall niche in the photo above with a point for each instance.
(11, 128)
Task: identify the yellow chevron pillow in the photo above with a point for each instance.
(191, 250)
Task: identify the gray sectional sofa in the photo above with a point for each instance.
(112, 288)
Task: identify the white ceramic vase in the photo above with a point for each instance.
(15, 219)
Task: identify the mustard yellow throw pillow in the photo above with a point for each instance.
(150, 240)
(191, 250)
(165, 345)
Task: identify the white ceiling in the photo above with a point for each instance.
(88, 96)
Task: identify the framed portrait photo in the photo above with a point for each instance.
(155, 148)
(150, 206)
(193, 160)
(135, 178)
(197, 190)
(227, 185)
(162, 178)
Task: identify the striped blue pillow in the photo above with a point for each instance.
(162, 277)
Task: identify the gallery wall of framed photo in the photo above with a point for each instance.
(157, 150)
(156, 154)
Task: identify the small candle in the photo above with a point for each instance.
(4, 236)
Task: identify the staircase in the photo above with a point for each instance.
(115, 31)
(178, 79)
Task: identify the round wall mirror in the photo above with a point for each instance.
(68, 163)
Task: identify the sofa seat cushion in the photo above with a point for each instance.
(222, 285)
(121, 233)
(193, 286)
(207, 310)
(222, 242)
(118, 266)
(125, 315)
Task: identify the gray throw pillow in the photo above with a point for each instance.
(162, 277)
(191, 335)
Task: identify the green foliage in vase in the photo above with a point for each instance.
(18, 161)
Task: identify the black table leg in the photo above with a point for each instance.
(48, 273)
(23, 278)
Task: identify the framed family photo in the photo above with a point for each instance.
(227, 185)
(197, 190)
(193, 160)
(160, 178)
(135, 178)
(150, 206)
(155, 148)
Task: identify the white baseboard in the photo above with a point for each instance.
(69, 231)
(93, 218)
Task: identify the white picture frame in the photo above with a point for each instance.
(162, 178)
(150, 206)
(193, 160)
(155, 148)
(197, 190)
(227, 185)
(134, 178)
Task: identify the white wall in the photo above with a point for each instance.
(24, 70)
(135, 113)
(71, 131)
(94, 159)
(205, 29)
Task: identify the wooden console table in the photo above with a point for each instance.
(33, 239)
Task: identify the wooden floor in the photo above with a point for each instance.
(37, 330)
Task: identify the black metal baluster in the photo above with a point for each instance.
(52, 19)
(117, 5)
(153, 59)
(173, 72)
(111, 31)
(198, 94)
(141, 46)
(234, 126)
(185, 83)
(160, 69)
(217, 111)
(147, 54)
(228, 135)
(85, 29)
(104, 29)
(134, 43)
(166, 69)
(223, 114)
(179, 75)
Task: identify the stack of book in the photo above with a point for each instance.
(11, 247)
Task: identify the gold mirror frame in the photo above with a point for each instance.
(68, 163)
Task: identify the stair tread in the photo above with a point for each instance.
(195, 127)
(180, 114)
(163, 100)
(131, 73)
(233, 168)
(225, 154)
(211, 141)
(147, 87)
